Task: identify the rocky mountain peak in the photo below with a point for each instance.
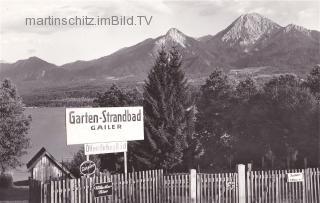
(296, 28)
(247, 29)
(173, 35)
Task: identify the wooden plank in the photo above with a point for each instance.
(79, 189)
(255, 186)
(134, 187)
(312, 190)
(115, 188)
(151, 188)
(176, 190)
(283, 191)
(270, 187)
(168, 188)
(307, 185)
(161, 184)
(216, 188)
(277, 186)
(316, 195)
(318, 183)
(130, 195)
(140, 188)
(155, 186)
(184, 190)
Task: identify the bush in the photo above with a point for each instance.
(6, 180)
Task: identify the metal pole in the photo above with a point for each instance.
(125, 162)
(87, 157)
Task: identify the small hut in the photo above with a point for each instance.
(44, 167)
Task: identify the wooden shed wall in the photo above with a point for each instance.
(46, 170)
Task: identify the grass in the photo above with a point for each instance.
(14, 193)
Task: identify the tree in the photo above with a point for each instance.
(78, 158)
(212, 123)
(313, 81)
(291, 119)
(14, 126)
(167, 103)
(275, 125)
(117, 97)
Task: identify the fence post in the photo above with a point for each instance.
(242, 183)
(193, 185)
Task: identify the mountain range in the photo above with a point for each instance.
(252, 42)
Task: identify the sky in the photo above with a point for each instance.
(65, 44)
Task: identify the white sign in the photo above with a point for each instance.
(295, 177)
(100, 125)
(104, 148)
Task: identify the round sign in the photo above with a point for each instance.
(87, 168)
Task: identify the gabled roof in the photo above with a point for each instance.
(43, 152)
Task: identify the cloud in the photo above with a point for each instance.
(31, 51)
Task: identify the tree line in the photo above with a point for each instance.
(214, 127)
(222, 123)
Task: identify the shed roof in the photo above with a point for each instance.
(43, 152)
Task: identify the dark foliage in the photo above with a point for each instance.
(14, 126)
(6, 180)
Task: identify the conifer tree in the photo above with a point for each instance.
(167, 105)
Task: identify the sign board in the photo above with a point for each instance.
(100, 125)
(295, 177)
(88, 168)
(231, 185)
(102, 189)
(104, 148)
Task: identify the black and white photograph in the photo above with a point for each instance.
(142, 101)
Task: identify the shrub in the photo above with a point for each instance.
(6, 180)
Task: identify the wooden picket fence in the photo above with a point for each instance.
(176, 188)
(156, 187)
(143, 186)
(222, 187)
(272, 186)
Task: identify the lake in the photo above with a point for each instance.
(47, 130)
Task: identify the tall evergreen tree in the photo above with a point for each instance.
(167, 105)
(14, 126)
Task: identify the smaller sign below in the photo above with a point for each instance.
(231, 185)
(295, 177)
(102, 189)
(104, 148)
(88, 168)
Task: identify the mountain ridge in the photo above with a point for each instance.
(251, 40)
